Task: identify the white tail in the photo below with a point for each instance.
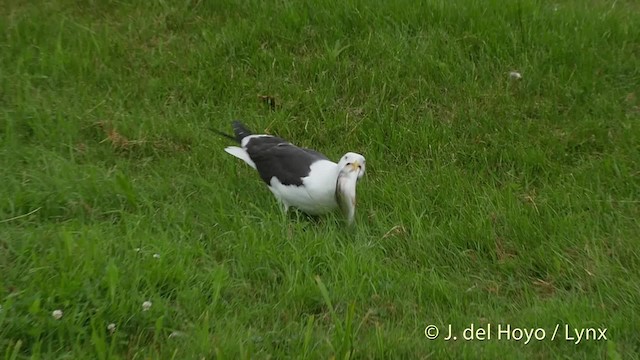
(240, 153)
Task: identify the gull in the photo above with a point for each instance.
(299, 177)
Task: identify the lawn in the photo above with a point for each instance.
(489, 200)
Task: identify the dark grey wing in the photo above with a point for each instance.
(274, 156)
(315, 153)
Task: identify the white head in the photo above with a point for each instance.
(352, 168)
(355, 160)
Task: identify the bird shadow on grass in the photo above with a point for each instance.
(299, 215)
(317, 221)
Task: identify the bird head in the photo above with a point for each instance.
(352, 168)
(353, 162)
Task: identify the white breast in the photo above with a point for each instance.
(317, 194)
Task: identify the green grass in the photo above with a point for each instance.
(487, 200)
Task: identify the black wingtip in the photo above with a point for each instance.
(223, 134)
(240, 130)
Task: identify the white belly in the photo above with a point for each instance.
(317, 194)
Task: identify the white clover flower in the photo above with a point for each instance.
(514, 75)
(112, 328)
(57, 314)
(156, 256)
(146, 305)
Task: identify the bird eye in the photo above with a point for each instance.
(348, 164)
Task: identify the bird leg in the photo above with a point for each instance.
(285, 207)
(285, 210)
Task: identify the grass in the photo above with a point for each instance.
(487, 199)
